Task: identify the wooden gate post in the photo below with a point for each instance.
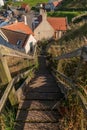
(6, 78)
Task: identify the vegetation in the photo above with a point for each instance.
(74, 4)
(70, 108)
(68, 14)
(16, 65)
(72, 40)
(9, 116)
(71, 112)
(32, 3)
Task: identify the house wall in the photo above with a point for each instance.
(58, 34)
(44, 31)
(30, 40)
(1, 3)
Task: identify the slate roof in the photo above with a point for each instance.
(6, 43)
(14, 37)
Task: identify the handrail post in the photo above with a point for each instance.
(6, 78)
(5, 74)
(82, 121)
(2, 124)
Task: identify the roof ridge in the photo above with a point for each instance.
(19, 26)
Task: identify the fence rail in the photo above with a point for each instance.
(72, 84)
(5, 51)
(65, 88)
(10, 85)
(5, 76)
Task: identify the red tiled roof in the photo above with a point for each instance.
(19, 27)
(58, 23)
(24, 5)
(56, 3)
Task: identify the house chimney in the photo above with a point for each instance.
(43, 13)
(25, 19)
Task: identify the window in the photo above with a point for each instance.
(31, 47)
(19, 43)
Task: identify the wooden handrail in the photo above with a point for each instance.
(82, 52)
(64, 76)
(6, 93)
(84, 101)
(9, 87)
(5, 51)
(73, 86)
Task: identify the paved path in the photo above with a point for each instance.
(35, 110)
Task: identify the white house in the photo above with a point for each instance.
(21, 35)
(1, 3)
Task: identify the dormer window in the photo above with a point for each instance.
(19, 43)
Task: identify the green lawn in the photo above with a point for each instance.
(67, 14)
(31, 2)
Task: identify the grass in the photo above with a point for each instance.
(71, 41)
(9, 116)
(74, 4)
(68, 14)
(74, 35)
(32, 3)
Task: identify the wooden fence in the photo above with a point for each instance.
(5, 75)
(67, 84)
(82, 53)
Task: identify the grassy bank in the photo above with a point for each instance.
(74, 4)
(31, 2)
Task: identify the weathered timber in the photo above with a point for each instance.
(69, 55)
(5, 51)
(64, 76)
(2, 125)
(20, 91)
(82, 52)
(5, 95)
(83, 89)
(10, 86)
(4, 71)
(72, 85)
(84, 101)
(37, 126)
(39, 111)
(6, 78)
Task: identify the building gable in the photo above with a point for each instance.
(44, 30)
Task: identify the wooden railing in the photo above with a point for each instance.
(66, 83)
(5, 75)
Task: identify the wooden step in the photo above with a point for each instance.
(36, 126)
(41, 96)
(37, 116)
(44, 89)
(36, 105)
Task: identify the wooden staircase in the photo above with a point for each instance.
(35, 108)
